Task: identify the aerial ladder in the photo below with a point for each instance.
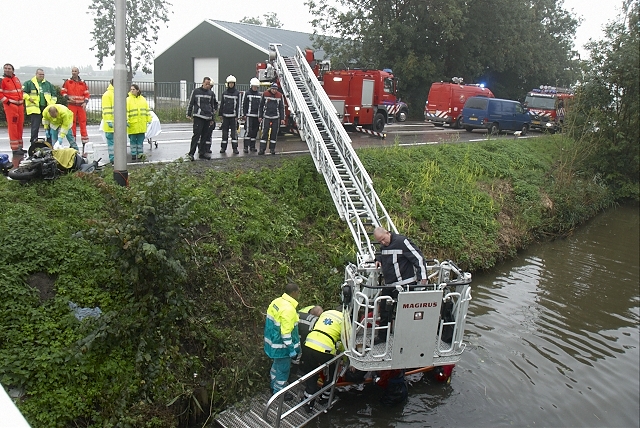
(419, 336)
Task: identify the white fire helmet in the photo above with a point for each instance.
(231, 79)
(254, 82)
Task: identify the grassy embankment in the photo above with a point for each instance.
(183, 265)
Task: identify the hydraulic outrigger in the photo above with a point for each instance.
(416, 337)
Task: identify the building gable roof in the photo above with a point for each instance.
(260, 37)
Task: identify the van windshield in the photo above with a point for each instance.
(540, 102)
(478, 103)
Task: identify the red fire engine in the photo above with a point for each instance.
(445, 100)
(365, 98)
(547, 107)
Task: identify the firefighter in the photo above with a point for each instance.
(307, 320)
(57, 121)
(281, 338)
(76, 91)
(402, 264)
(11, 97)
(37, 96)
(321, 346)
(271, 115)
(250, 107)
(229, 110)
(202, 110)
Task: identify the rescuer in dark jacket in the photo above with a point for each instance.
(202, 107)
(402, 265)
(271, 115)
(229, 110)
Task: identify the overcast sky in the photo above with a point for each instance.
(71, 26)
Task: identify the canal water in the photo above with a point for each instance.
(553, 341)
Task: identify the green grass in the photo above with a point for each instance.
(184, 263)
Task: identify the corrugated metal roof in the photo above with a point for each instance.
(260, 37)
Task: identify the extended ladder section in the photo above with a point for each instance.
(421, 335)
(330, 146)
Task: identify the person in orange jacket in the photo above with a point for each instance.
(11, 97)
(76, 91)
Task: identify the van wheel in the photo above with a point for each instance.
(378, 122)
(524, 130)
(468, 129)
(458, 123)
(494, 129)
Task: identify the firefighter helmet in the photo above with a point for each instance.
(231, 79)
(254, 82)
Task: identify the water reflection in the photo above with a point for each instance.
(553, 341)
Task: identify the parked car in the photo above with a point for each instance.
(495, 115)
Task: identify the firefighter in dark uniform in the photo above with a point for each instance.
(271, 115)
(250, 107)
(401, 262)
(321, 346)
(229, 110)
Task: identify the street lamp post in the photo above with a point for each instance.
(120, 173)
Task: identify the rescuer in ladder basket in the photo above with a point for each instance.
(250, 107)
(229, 110)
(401, 262)
(271, 115)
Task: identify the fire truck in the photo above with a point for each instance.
(428, 322)
(445, 100)
(547, 107)
(362, 98)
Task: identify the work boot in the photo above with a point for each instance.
(235, 148)
(246, 147)
(263, 147)
(223, 147)
(204, 155)
(207, 147)
(272, 147)
(252, 146)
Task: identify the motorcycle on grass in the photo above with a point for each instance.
(48, 164)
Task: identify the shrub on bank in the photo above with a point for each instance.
(184, 262)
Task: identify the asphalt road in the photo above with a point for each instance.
(174, 140)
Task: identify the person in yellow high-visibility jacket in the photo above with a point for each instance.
(107, 118)
(57, 120)
(138, 117)
(281, 338)
(321, 346)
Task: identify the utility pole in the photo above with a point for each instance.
(120, 173)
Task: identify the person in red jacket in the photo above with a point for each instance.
(11, 97)
(76, 91)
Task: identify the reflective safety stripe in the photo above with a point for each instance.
(318, 346)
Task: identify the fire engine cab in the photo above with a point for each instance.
(445, 100)
(547, 107)
(362, 98)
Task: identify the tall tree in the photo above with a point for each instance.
(511, 42)
(143, 20)
(607, 110)
(270, 20)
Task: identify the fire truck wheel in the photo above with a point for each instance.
(494, 129)
(525, 129)
(378, 122)
(458, 123)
